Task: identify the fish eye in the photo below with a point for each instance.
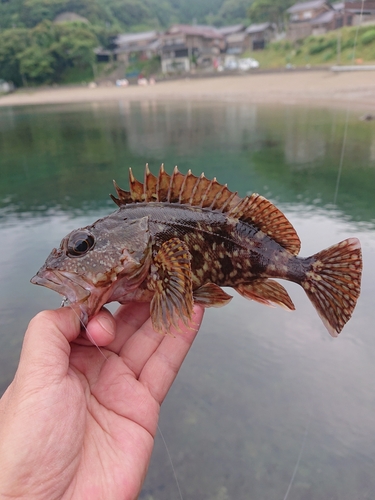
(80, 243)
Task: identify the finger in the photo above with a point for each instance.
(163, 365)
(140, 347)
(129, 318)
(46, 345)
(101, 329)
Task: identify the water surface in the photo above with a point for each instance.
(262, 389)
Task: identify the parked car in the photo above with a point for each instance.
(231, 63)
(243, 64)
(6, 87)
(247, 63)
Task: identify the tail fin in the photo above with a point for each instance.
(333, 283)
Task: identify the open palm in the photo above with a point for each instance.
(80, 423)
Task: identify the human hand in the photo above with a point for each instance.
(80, 423)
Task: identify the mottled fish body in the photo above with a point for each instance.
(176, 240)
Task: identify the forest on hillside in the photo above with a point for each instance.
(129, 15)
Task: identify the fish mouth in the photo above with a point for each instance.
(69, 285)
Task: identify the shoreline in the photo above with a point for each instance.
(311, 88)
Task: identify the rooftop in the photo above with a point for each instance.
(301, 6)
(128, 38)
(195, 29)
(325, 18)
(229, 30)
(256, 28)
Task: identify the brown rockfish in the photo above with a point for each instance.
(177, 239)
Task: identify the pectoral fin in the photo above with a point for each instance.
(172, 285)
(211, 295)
(266, 291)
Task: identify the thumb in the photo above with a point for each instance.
(46, 346)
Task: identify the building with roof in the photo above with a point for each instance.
(144, 45)
(357, 13)
(316, 17)
(254, 37)
(260, 34)
(300, 16)
(184, 45)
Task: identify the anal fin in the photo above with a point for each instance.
(266, 291)
(172, 285)
(211, 295)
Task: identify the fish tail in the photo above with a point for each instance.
(332, 283)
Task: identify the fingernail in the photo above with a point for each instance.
(107, 325)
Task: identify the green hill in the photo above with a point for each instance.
(344, 46)
(133, 15)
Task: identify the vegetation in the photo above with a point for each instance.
(42, 54)
(335, 47)
(270, 10)
(129, 15)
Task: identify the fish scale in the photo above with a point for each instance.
(175, 240)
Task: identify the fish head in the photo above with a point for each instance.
(100, 263)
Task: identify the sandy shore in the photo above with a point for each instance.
(322, 88)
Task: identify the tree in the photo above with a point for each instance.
(232, 11)
(12, 43)
(273, 11)
(36, 64)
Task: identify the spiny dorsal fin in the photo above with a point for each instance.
(202, 192)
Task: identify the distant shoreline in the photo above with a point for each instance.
(317, 88)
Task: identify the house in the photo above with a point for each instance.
(260, 34)
(183, 45)
(142, 45)
(235, 38)
(303, 14)
(355, 13)
(239, 39)
(326, 21)
(316, 17)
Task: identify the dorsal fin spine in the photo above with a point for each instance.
(205, 194)
(194, 190)
(218, 194)
(183, 185)
(228, 202)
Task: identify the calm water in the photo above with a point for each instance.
(263, 393)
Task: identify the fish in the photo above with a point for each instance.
(176, 240)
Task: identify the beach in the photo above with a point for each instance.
(309, 87)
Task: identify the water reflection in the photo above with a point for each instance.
(288, 153)
(258, 382)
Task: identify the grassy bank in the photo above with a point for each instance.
(336, 47)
